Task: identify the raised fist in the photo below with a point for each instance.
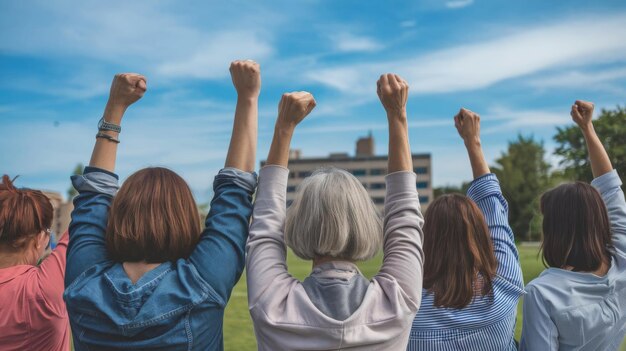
(582, 112)
(127, 88)
(246, 75)
(293, 107)
(393, 92)
(467, 123)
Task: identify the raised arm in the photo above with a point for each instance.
(467, 123)
(403, 258)
(606, 180)
(266, 260)
(582, 113)
(246, 76)
(486, 193)
(98, 184)
(219, 257)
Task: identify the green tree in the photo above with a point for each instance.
(523, 175)
(611, 128)
(451, 189)
(71, 192)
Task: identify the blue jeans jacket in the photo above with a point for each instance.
(176, 306)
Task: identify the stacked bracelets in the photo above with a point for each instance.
(104, 126)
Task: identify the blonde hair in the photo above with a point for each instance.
(332, 215)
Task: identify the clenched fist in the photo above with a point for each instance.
(582, 112)
(126, 89)
(393, 92)
(293, 107)
(246, 77)
(467, 123)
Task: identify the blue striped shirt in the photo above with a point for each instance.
(488, 322)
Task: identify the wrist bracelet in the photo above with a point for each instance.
(107, 137)
(104, 125)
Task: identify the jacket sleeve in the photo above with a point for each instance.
(96, 189)
(266, 261)
(609, 186)
(219, 256)
(403, 258)
(486, 193)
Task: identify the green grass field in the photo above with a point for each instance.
(238, 332)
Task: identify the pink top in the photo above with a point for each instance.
(32, 310)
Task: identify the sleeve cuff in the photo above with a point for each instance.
(97, 182)
(607, 182)
(400, 181)
(90, 169)
(244, 180)
(483, 186)
(274, 174)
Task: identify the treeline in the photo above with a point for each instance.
(525, 174)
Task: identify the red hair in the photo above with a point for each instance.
(24, 213)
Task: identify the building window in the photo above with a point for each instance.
(289, 202)
(377, 171)
(375, 186)
(292, 175)
(421, 170)
(304, 174)
(423, 199)
(358, 172)
(422, 185)
(291, 188)
(379, 200)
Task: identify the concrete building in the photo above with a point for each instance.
(365, 166)
(62, 212)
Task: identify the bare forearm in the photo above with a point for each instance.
(105, 151)
(279, 150)
(243, 141)
(600, 162)
(400, 158)
(477, 158)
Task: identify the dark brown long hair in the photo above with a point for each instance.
(459, 259)
(576, 228)
(24, 213)
(153, 218)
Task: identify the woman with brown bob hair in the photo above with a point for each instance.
(472, 275)
(32, 311)
(143, 275)
(579, 302)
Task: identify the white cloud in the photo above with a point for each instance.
(457, 4)
(133, 34)
(503, 119)
(212, 59)
(599, 80)
(474, 66)
(346, 42)
(407, 24)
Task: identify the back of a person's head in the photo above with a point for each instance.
(459, 261)
(576, 228)
(24, 213)
(332, 215)
(153, 218)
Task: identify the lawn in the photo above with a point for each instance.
(238, 332)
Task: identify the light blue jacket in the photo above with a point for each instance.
(176, 306)
(565, 310)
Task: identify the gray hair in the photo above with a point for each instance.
(332, 215)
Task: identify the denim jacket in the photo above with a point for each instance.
(176, 306)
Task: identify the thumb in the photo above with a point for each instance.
(141, 84)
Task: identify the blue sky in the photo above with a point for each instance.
(519, 64)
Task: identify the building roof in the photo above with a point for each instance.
(336, 158)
